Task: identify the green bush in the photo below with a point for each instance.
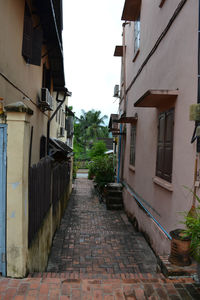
(102, 168)
(98, 149)
(192, 222)
(75, 168)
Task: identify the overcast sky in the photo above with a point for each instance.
(91, 31)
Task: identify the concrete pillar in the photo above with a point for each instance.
(18, 120)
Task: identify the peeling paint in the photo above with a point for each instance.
(15, 185)
(13, 215)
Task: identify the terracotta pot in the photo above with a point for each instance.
(180, 248)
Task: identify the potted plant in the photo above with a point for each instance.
(192, 222)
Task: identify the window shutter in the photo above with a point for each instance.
(168, 152)
(132, 146)
(27, 37)
(160, 149)
(36, 47)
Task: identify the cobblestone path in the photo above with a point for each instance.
(97, 255)
(97, 242)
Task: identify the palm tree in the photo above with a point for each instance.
(90, 126)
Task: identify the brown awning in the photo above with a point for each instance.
(118, 51)
(157, 98)
(124, 119)
(131, 10)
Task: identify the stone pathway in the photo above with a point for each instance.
(97, 255)
(93, 242)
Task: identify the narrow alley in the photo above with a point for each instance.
(96, 254)
(98, 243)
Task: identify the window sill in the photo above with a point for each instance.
(163, 183)
(132, 168)
(136, 55)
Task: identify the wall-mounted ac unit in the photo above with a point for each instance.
(116, 91)
(46, 101)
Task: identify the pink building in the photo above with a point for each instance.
(159, 83)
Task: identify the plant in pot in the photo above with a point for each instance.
(192, 222)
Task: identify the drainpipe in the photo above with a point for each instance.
(124, 63)
(198, 87)
(196, 134)
(66, 93)
(119, 154)
(125, 104)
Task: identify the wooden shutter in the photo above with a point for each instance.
(37, 37)
(132, 145)
(165, 145)
(160, 146)
(168, 150)
(32, 40)
(27, 35)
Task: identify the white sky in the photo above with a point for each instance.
(91, 31)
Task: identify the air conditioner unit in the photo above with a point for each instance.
(46, 101)
(62, 131)
(116, 91)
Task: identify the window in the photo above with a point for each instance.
(46, 78)
(136, 35)
(32, 40)
(132, 146)
(165, 145)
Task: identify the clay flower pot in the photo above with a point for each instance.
(180, 248)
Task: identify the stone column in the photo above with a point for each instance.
(18, 120)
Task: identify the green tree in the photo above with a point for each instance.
(87, 129)
(98, 149)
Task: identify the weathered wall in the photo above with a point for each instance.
(40, 247)
(26, 77)
(17, 192)
(172, 66)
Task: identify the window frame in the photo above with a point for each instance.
(132, 145)
(32, 39)
(165, 141)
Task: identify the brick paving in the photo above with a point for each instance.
(138, 288)
(95, 241)
(97, 255)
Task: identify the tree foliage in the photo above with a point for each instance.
(87, 129)
(98, 149)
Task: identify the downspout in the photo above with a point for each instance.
(198, 87)
(124, 96)
(119, 154)
(124, 64)
(196, 135)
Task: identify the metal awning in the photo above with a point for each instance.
(118, 51)
(125, 119)
(113, 117)
(131, 10)
(59, 149)
(157, 98)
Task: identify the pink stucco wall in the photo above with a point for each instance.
(172, 66)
